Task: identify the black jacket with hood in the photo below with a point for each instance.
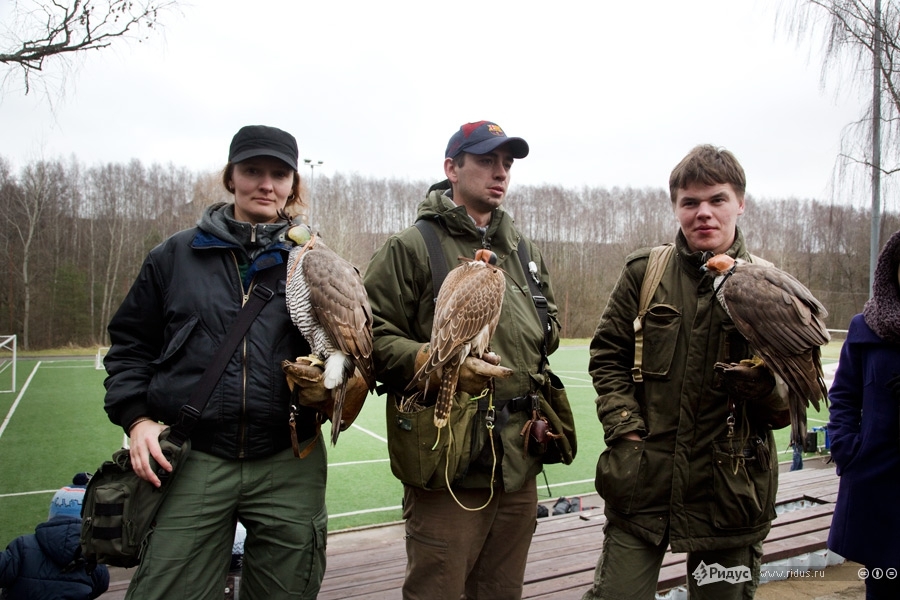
(179, 309)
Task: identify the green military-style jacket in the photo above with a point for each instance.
(399, 283)
(710, 490)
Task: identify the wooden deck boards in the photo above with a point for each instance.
(565, 548)
(370, 563)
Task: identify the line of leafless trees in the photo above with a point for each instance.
(73, 237)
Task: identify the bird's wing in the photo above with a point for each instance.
(774, 311)
(339, 300)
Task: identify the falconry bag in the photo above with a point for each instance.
(119, 509)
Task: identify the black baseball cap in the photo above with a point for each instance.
(260, 140)
(483, 137)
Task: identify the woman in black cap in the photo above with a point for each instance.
(241, 465)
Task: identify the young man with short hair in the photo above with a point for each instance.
(686, 464)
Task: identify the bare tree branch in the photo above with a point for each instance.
(846, 30)
(59, 28)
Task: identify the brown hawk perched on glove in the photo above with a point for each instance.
(466, 314)
(783, 322)
(328, 303)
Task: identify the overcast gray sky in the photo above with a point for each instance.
(607, 93)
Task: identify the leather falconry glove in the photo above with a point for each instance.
(306, 382)
(751, 382)
(474, 373)
(305, 379)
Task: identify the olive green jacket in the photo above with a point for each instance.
(686, 474)
(398, 281)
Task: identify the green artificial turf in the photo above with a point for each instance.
(59, 428)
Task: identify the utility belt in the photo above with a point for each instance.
(518, 404)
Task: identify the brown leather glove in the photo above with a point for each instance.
(306, 382)
(474, 373)
(746, 380)
(752, 383)
(305, 379)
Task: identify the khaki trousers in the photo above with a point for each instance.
(453, 553)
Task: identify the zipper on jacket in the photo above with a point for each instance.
(485, 240)
(245, 295)
(253, 233)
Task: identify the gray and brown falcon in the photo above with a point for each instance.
(328, 303)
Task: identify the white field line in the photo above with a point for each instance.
(67, 363)
(359, 462)
(12, 409)
(564, 483)
(365, 511)
(372, 433)
(28, 493)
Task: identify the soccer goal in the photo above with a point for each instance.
(98, 360)
(7, 363)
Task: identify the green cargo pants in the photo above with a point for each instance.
(281, 502)
(628, 569)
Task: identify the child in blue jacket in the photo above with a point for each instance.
(47, 564)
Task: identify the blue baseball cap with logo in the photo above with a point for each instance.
(483, 137)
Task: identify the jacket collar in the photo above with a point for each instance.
(693, 261)
(499, 235)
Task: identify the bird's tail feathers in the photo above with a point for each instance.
(798, 421)
(338, 394)
(445, 398)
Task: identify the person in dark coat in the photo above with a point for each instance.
(864, 428)
(43, 565)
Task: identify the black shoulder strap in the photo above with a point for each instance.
(262, 292)
(537, 296)
(436, 258)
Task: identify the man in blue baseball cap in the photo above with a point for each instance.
(468, 529)
(480, 184)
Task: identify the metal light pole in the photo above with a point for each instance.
(312, 182)
(875, 234)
